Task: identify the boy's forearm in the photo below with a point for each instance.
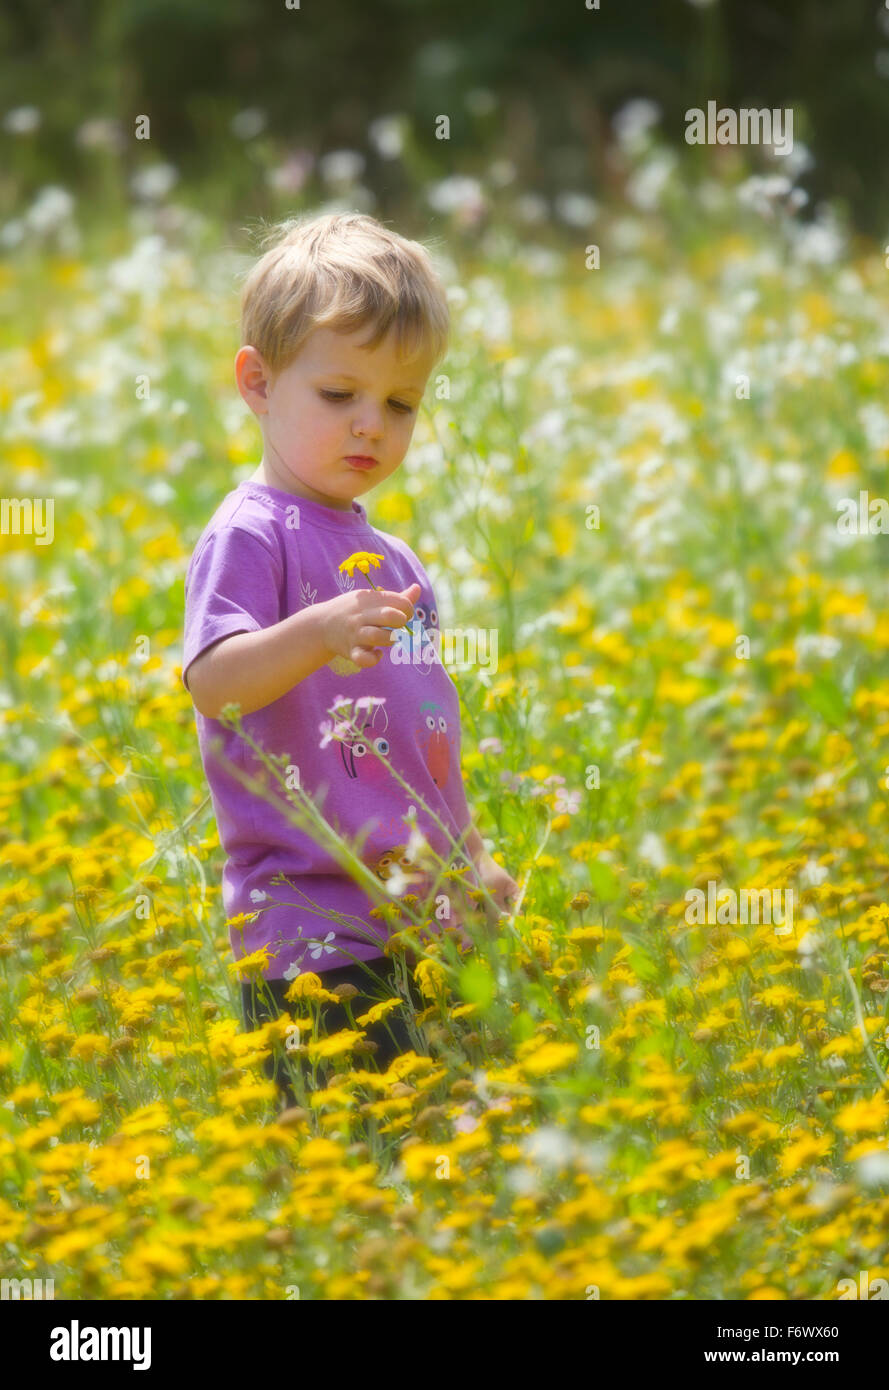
(475, 845)
(253, 669)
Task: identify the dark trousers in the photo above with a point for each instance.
(390, 1034)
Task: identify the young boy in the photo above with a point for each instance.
(342, 322)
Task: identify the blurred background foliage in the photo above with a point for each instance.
(230, 84)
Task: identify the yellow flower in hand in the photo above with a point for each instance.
(361, 560)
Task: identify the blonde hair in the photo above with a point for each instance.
(342, 271)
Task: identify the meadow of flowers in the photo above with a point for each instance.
(633, 474)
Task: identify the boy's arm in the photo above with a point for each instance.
(497, 880)
(254, 668)
(475, 845)
(237, 649)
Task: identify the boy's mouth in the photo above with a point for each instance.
(361, 461)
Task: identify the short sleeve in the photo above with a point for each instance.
(233, 585)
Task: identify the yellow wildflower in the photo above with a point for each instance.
(378, 1011)
(803, 1150)
(550, 1057)
(430, 977)
(252, 966)
(309, 987)
(335, 1046)
(863, 1116)
(90, 1045)
(360, 560)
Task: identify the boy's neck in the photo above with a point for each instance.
(307, 494)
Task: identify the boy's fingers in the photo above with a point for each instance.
(393, 617)
(400, 601)
(376, 636)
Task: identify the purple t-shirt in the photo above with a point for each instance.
(264, 555)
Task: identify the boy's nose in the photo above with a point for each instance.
(369, 425)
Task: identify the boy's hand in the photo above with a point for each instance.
(502, 888)
(361, 621)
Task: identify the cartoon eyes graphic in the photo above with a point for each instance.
(380, 744)
(397, 857)
(440, 723)
(421, 612)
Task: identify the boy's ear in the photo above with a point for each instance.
(254, 379)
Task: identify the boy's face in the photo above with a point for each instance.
(336, 401)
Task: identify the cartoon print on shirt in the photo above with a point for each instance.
(428, 617)
(364, 729)
(417, 644)
(392, 860)
(434, 742)
(345, 582)
(354, 747)
(371, 721)
(398, 860)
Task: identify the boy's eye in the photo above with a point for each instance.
(401, 407)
